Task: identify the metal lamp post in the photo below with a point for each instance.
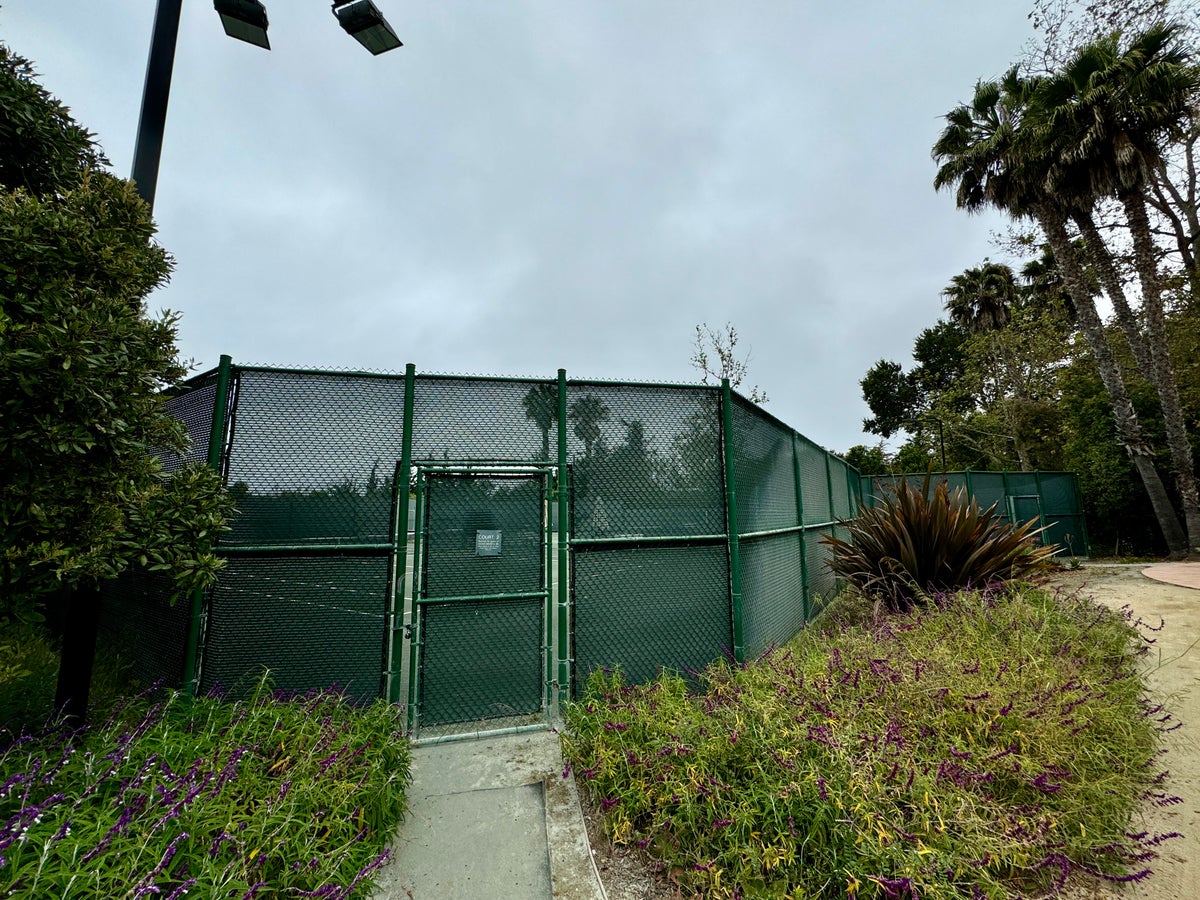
(245, 20)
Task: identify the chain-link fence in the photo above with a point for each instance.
(475, 547)
(1051, 499)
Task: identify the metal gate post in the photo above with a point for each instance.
(417, 637)
(564, 597)
(216, 450)
(731, 522)
(402, 476)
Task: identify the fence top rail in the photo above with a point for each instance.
(1001, 472)
(447, 376)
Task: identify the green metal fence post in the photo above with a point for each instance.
(1083, 533)
(403, 485)
(799, 477)
(731, 522)
(829, 487)
(417, 636)
(564, 598)
(1037, 480)
(216, 450)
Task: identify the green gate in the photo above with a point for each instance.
(1024, 507)
(481, 598)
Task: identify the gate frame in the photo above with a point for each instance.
(408, 585)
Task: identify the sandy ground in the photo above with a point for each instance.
(1173, 671)
(1173, 674)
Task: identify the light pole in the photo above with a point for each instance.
(941, 434)
(245, 20)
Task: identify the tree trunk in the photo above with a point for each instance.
(1098, 256)
(1129, 430)
(1164, 380)
(81, 621)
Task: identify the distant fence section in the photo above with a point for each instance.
(1051, 498)
(474, 547)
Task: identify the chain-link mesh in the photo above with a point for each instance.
(649, 608)
(765, 469)
(1062, 514)
(314, 621)
(467, 419)
(773, 602)
(312, 466)
(645, 460)
(139, 623)
(822, 584)
(987, 488)
(193, 405)
(844, 501)
(480, 660)
(814, 484)
(484, 536)
(313, 458)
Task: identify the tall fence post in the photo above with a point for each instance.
(731, 522)
(798, 475)
(1078, 493)
(403, 474)
(216, 449)
(564, 598)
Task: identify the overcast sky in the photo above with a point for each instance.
(535, 184)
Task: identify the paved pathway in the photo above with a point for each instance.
(1184, 574)
(488, 818)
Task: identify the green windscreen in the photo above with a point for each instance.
(313, 621)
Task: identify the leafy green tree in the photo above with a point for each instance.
(893, 396)
(82, 369)
(868, 460)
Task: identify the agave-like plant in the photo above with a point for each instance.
(913, 545)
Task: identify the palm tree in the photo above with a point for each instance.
(984, 154)
(588, 412)
(541, 408)
(1103, 120)
(981, 299)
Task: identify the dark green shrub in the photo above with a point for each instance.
(913, 545)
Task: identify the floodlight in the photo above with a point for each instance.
(245, 20)
(363, 21)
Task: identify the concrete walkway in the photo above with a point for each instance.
(491, 817)
(1184, 574)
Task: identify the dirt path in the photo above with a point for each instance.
(1173, 667)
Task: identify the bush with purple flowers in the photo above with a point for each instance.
(988, 745)
(274, 796)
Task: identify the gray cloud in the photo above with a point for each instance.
(534, 184)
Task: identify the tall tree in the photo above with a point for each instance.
(82, 368)
(985, 156)
(1104, 119)
(982, 298)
